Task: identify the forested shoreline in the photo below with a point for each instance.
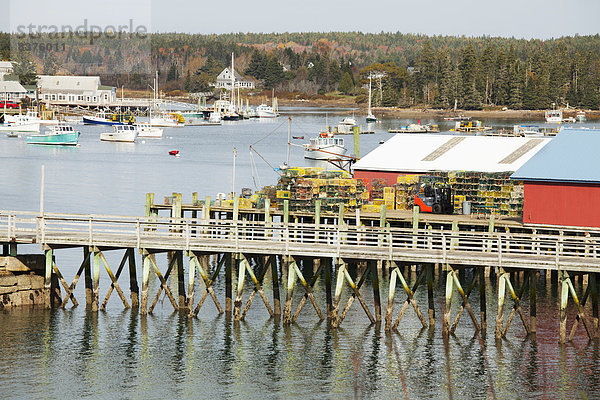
(416, 70)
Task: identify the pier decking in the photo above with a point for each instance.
(253, 248)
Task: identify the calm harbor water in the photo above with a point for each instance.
(118, 354)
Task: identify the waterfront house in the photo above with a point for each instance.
(73, 90)
(562, 181)
(224, 80)
(12, 91)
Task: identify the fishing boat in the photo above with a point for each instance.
(470, 127)
(31, 117)
(581, 116)
(534, 131)
(172, 120)
(20, 127)
(554, 116)
(120, 133)
(102, 118)
(265, 111)
(203, 118)
(325, 147)
(370, 116)
(148, 131)
(56, 135)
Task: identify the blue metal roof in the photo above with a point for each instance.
(572, 156)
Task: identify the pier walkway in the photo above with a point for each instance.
(245, 243)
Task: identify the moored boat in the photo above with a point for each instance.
(474, 126)
(120, 133)
(148, 131)
(100, 119)
(325, 147)
(581, 116)
(265, 111)
(416, 128)
(56, 135)
(554, 116)
(21, 127)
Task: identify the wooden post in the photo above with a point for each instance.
(133, 284)
(48, 278)
(286, 211)
(275, 277)
(12, 249)
(291, 280)
(372, 266)
(180, 280)
(191, 283)
(448, 304)
(382, 216)
(482, 301)
(533, 280)
(149, 203)
(430, 298)
(594, 295)
(96, 278)
(237, 305)
(229, 261)
(328, 297)
(564, 299)
(145, 280)
(501, 294)
(87, 279)
(236, 208)
(389, 312)
(338, 292)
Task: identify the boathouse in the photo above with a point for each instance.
(422, 154)
(562, 181)
(12, 91)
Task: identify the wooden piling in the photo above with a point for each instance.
(592, 284)
(533, 280)
(237, 305)
(87, 278)
(272, 263)
(48, 277)
(229, 261)
(500, 313)
(389, 312)
(96, 279)
(448, 303)
(564, 299)
(328, 297)
(482, 301)
(191, 284)
(145, 281)
(133, 284)
(372, 266)
(180, 280)
(430, 298)
(338, 292)
(291, 280)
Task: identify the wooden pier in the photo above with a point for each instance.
(257, 249)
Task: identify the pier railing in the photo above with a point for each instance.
(574, 250)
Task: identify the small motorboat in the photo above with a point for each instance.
(297, 137)
(57, 135)
(174, 152)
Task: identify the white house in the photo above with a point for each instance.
(75, 90)
(6, 68)
(224, 80)
(12, 91)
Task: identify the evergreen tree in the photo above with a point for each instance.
(25, 69)
(346, 85)
(471, 99)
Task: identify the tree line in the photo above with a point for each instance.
(411, 70)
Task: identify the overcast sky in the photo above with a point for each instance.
(507, 18)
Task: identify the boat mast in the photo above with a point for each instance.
(369, 94)
(289, 140)
(232, 85)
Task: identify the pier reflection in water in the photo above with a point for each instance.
(121, 354)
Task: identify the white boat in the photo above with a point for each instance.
(554, 116)
(31, 117)
(350, 121)
(325, 147)
(147, 131)
(56, 135)
(120, 133)
(20, 127)
(581, 116)
(167, 121)
(534, 131)
(265, 111)
(416, 128)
